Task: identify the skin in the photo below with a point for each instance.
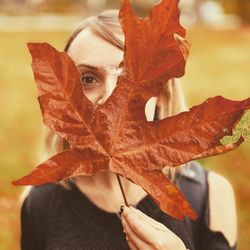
(143, 232)
(98, 61)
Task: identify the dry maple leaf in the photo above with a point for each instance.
(116, 135)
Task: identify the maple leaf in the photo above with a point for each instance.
(116, 135)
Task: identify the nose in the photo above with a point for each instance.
(108, 87)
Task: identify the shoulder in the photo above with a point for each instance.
(34, 214)
(218, 182)
(222, 209)
(38, 197)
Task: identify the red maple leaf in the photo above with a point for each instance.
(116, 135)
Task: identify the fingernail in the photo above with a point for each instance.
(121, 209)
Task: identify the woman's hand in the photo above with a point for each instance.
(144, 233)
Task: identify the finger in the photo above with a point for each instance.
(132, 238)
(131, 244)
(139, 227)
(157, 225)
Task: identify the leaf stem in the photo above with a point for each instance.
(122, 190)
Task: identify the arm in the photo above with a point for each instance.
(143, 232)
(34, 216)
(222, 218)
(27, 230)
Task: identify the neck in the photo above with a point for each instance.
(105, 180)
(107, 183)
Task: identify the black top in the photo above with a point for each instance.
(56, 218)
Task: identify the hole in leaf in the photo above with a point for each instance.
(150, 108)
(143, 8)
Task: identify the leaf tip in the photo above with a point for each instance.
(19, 182)
(192, 215)
(38, 46)
(31, 46)
(126, 10)
(188, 212)
(30, 179)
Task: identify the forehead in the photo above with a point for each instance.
(89, 48)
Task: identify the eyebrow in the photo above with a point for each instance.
(100, 69)
(88, 66)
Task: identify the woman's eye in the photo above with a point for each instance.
(89, 81)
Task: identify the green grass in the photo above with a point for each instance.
(218, 65)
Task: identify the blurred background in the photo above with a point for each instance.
(219, 64)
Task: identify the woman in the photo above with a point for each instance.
(82, 213)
